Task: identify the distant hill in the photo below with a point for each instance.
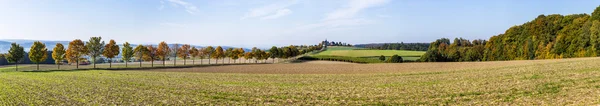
(5, 44)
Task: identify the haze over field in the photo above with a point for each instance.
(264, 23)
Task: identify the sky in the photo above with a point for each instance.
(265, 23)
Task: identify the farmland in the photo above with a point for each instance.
(531, 82)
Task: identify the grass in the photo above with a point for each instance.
(362, 55)
(538, 82)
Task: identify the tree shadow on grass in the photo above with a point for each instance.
(139, 68)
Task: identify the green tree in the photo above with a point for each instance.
(95, 48)
(209, 52)
(596, 14)
(15, 54)
(256, 54)
(229, 54)
(38, 53)
(382, 58)
(174, 53)
(395, 59)
(274, 52)
(110, 51)
(126, 52)
(58, 54)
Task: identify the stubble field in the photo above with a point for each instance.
(539, 82)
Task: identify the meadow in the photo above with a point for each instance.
(363, 55)
(527, 82)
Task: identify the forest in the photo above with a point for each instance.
(546, 37)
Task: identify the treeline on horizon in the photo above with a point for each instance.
(546, 37)
(396, 46)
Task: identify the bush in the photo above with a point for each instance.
(382, 58)
(395, 59)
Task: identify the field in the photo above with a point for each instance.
(538, 82)
(362, 55)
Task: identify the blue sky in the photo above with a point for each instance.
(264, 23)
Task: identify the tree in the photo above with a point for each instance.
(201, 55)
(194, 53)
(229, 53)
(150, 54)
(255, 53)
(58, 54)
(38, 53)
(174, 49)
(140, 51)
(265, 56)
(274, 53)
(15, 54)
(382, 58)
(110, 51)
(163, 51)
(184, 52)
(248, 56)
(240, 52)
(95, 48)
(596, 14)
(127, 53)
(209, 51)
(395, 59)
(235, 54)
(75, 51)
(218, 54)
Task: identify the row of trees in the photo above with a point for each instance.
(95, 48)
(396, 46)
(546, 37)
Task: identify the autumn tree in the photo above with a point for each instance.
(127, 52)
(15, 54)
(38, 53)
(235, 54)
(75, 51)
(193, 53)
(209, 52)
(150, 54)
(110, 51)
(95, 48)
(184, 52)
(240, 52)
(201, 55)
(248, 56)
(163, 51)
(218, 54)
(58, 54)
(140, 51)
(256, 54)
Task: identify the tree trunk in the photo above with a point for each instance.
(59, 65)
(77, 63)
(184, 61)
(209, 60)
(17, 66)
(175, 60)
(163, 62)
(229, 61)
(38, 66)
(94, 60)
(126, 63)
(193, 61)
(152, 63)
(110, 63)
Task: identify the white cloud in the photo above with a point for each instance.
(271, 11)
(279, 13)
(190, 8)
(170, 24)
(353, 8)
(345, 16)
